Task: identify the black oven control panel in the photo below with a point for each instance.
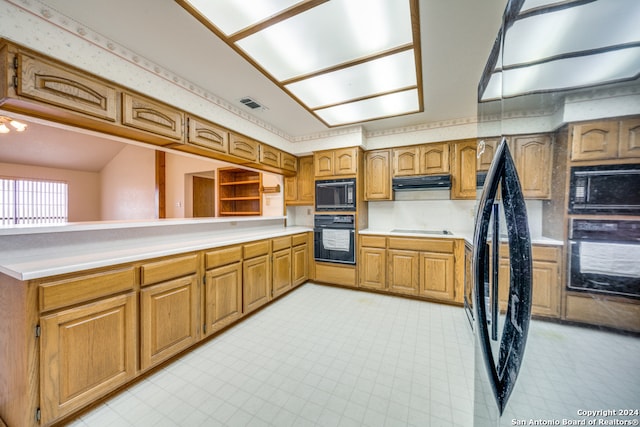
(596, 229)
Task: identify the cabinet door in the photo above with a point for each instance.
(151, 116)
(323, 163)
(207, 135)
(437, 275)
(306, 184)
(373, 268)
(269, 156)
(534, 164)
(281, 271)
(486, 150)
(346, 161)
(290, 189)
(406, 161)
(223, 296)
(300, 264)
(243, 147)
(377, 180)
(57, 85)
(629, 139)
(463, 169)
(86, 352)
(403, 271)
(594, 141)
(256, 286)
(288, 162)
(168, 322)
(546, 296)
(434, 159)
(545, 300)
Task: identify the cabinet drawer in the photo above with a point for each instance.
(281, 243)
(150, 116)
(298, 239)
(255, 249)
(223, 256)
(430, 245)
(72, 291)
(373, 241)
(539, 253)
(56, 85)
(168, 269)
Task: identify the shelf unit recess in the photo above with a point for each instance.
(239, 192)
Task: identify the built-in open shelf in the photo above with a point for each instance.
(239, 192)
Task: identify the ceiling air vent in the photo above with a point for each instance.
(252, 103)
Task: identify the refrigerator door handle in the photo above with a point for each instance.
(502, 368)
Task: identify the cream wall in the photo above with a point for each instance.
(178, 182)
(128, 185)
(84, 187)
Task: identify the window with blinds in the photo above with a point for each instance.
(29, 201)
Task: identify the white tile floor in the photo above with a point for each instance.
(327, 356)
(320, 356)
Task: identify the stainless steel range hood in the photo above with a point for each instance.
(422, 182)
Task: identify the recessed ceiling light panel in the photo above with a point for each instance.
(332, 57)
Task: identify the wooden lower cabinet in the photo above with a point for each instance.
(281, 271)
(299, 260)
(403, 271)
(545, 299)
(256, 286)
(222, 296)
(413, 266)
(168, 319)
(437, 275)
(373, 268)
(86, 352)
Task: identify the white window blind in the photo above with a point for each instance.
(28, 201)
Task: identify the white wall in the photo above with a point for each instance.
(83, 187)
(273, 203)
(128, 185)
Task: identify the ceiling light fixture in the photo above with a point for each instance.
(16, 125)
(342, 60)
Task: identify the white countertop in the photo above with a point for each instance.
(467, 236)
(59, 253)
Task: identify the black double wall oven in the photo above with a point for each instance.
(334, 227)
(604, 253)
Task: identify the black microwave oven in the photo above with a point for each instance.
(336, 195)
(605, 189)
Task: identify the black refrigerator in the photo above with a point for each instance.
(560, 91)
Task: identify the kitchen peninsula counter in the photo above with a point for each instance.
(28, 253)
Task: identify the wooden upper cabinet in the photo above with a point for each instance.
(426, 159)
(463, 169)
(434, 158)
(207, 135)
(243, 147)
(377, 178)
(288, 162)
(54, 84)
(629, 139)
(343, 161)
(406, 161)
(300, 189)
(533, 157)
(346, 161)
(269, 156)
(142, 113)
(486, 151)
(595, 141)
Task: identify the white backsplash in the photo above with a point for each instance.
(454, 215)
